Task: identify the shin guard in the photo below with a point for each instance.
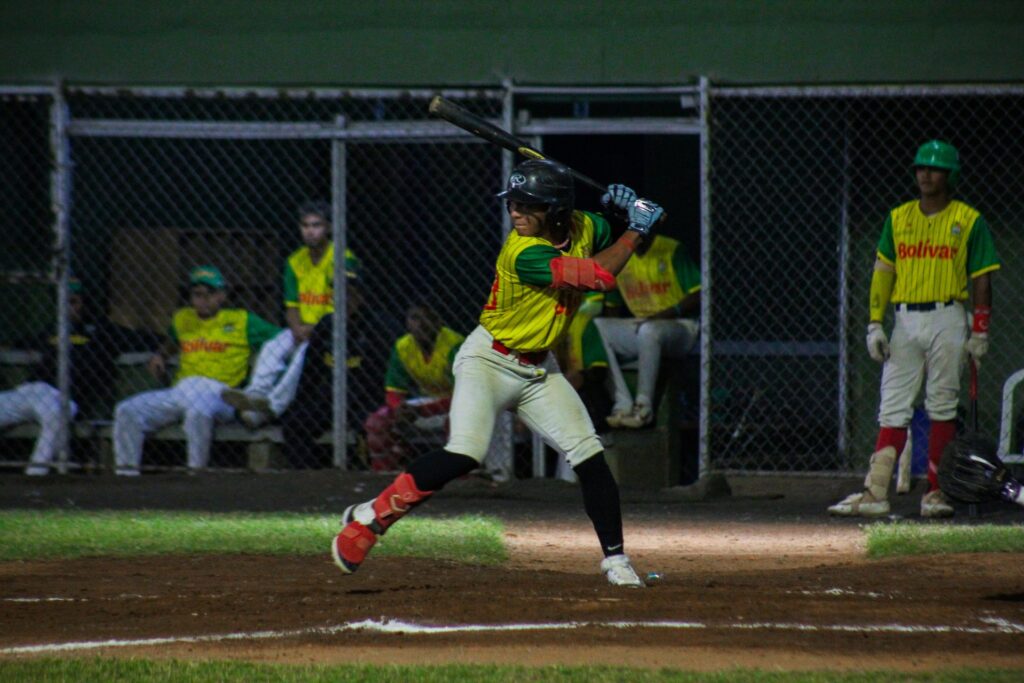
(396, 500)
(880, 472)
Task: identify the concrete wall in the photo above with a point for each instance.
(410, 42)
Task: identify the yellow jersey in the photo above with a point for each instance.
(934, 255)
(523, 312)
(218, 347)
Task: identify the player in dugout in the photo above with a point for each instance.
(214, 344)
(552, 255)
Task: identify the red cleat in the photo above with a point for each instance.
(351, 546)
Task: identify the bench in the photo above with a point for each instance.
(262, 445)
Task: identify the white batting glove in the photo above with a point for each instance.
(878, 343)
(618, 196)
(977, 346)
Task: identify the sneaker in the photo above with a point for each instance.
(242, 401)
(618, 415)
(620, 572)
(36, 470)
(641, 416)
(935, 505)
(861, 504)
(252, 419)
(351, 546)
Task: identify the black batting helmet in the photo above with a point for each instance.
(539, 181)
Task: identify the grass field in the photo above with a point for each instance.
(907, 538)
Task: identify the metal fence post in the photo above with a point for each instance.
(61, 197)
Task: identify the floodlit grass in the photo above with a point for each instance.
(27, 535)
(86, 670)
(908, 538)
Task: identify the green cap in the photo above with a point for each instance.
(206, 275)
(352, 265)
(939, 154)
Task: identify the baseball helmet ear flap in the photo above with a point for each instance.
(939, 154)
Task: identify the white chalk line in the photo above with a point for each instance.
(394, 626)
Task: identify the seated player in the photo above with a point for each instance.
(214, 344)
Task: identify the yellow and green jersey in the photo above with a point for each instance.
(410, 370)
(218, 347)
(659, 279)
(934, 255)
(583, 348)
(523, 312)
(309, 286)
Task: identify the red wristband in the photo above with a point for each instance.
(982, 315)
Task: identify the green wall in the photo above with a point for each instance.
(418, 43)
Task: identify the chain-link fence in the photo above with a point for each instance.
(801, 181)
(163, 182)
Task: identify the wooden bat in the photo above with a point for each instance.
(482, 128)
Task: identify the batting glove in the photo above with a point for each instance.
(619, 197)
(643, 214)
(977, 346)
(878, 343)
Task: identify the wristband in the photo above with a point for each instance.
(982, 316)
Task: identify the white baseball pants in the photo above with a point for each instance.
(36, 402)
(645, 341)
(488, 382)
(277, 371)
(194, 400)
(923, 341)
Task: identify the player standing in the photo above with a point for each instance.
(551, 256)
(928, 250)
(308, 297)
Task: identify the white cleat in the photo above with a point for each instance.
(620, 572)
(861, 504)
(935, 505)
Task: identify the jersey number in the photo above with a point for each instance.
(492, 301)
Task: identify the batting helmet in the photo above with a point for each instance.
(539, 181)
(939, 154)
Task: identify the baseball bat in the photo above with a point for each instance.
(482, 128)
(972, 394)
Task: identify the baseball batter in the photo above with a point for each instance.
(308, 297)
(661, 288)
(214, 344)
(553, 254)
(929, 249)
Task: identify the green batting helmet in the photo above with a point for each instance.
(939, 154)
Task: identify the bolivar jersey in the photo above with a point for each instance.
(309, 286)
(408, 369)
(218, 347)
(933, 255)
(658, 279)
(522, 311)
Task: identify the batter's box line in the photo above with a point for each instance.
(395, 626)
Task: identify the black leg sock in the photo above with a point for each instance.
(435, 469)
(601, 501)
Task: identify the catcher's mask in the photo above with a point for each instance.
(970, 470)
(539, 181)
(939, 154)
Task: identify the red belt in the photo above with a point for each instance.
(532, 358)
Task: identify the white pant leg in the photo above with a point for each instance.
(657, 338)
(619, 338)
(284, 390)
(555, 411)
(500, 452)
(948, 332)
(484, 386)
(203, 408)
(139, 414)
(903, 372)
(271, 362)
(37, 402)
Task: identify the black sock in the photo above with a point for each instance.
(435, 469)
(601, 501)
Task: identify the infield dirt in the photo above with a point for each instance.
(761, 578)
